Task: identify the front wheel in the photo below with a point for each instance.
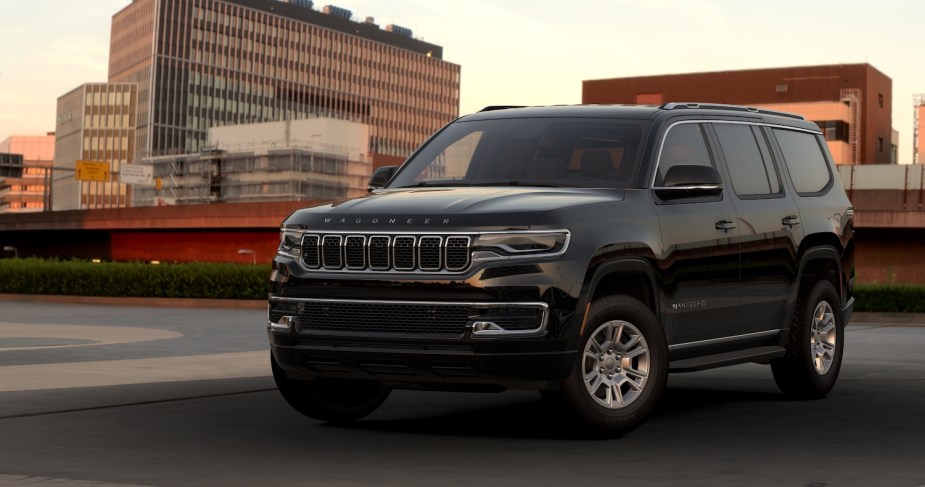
(622, 367)
(330, 400)
(815, 345)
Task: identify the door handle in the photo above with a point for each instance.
(790, 221)
(725, 225)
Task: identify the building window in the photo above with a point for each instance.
(879, 144)
(834, 130)
(880, 100)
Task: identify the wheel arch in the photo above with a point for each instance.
(819, 262)
(631, 276)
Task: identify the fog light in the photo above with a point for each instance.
(485, 327)
(284, 324)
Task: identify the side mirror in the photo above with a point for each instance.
(685, 181)
(380, 177)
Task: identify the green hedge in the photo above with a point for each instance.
(135, 279)
(237, 281)
(890, 298)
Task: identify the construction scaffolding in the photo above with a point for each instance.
(217, 176)
(918, 110)
(852, 96)
(309, 159)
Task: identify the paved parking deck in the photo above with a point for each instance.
(116, 395)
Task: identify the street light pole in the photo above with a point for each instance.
(10, 248)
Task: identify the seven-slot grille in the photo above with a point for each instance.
(401, 253)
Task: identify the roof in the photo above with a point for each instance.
(646, 112)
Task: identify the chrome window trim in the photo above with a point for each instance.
(713, 341)
(541, 330)
(661, 143)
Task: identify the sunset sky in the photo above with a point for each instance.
(524, 52)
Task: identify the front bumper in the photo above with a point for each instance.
(465, 356)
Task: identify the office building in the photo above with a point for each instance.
(96, 123)
(23, 189)
(851, 103)
(313, 159)
(207, 63)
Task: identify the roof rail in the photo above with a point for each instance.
(492, 108)
(737, 108)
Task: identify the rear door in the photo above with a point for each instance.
(769, 226)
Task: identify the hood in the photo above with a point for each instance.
(433, 208)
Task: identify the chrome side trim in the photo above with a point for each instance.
(714, 341)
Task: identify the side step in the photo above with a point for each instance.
(757, 354)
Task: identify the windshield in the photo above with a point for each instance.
(585, 152)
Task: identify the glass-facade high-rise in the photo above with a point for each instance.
(205, 63)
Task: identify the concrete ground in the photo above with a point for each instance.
(129, 395)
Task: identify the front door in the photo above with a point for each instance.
(700, 253)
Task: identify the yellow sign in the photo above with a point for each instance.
(92, 171)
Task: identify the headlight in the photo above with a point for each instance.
(290, 243)
(505, 245)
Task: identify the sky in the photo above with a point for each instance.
(520, 52)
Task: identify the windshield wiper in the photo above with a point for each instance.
(515, 182)
(434, 184)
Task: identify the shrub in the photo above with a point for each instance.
(237, 281)
(135, 279)
(890, 298)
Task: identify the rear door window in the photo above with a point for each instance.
(751, 170)
(806, 162)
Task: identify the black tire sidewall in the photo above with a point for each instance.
(313, 398)
(588, 410)
(821, 291)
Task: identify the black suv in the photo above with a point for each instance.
(583, 251)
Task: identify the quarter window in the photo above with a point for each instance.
(752, 172)
(684, 145)
(805, 160)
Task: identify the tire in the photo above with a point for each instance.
(330, 400)
(815, 344)
(612, 389)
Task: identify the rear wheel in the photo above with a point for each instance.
(815, 345)
(622, 367)
(330, 400)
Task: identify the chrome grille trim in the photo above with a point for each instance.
(355, 253)
(311, 258)
(332, 253)
(398, 252)
(379, 252)
(430, 252)
(403, 250)
(457, 252)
